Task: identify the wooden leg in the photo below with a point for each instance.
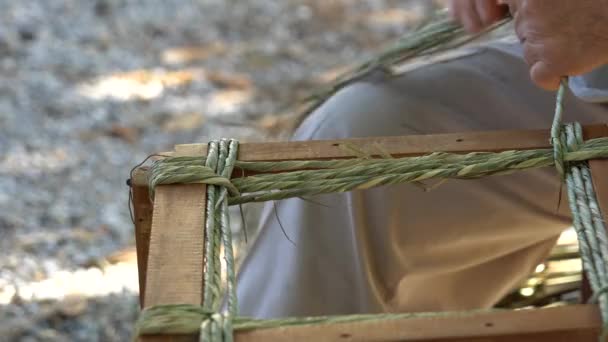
(599, 174)
(175, 261)
(142, 212)
(170, 246)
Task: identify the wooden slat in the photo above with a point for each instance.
(398, 146)
(579, 323)
(175, 261)
(142, 214)
(582, 322)
(174, 272)
(192, 149)
(599, 174)
(401, 146)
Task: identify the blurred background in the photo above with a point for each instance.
(89, 88)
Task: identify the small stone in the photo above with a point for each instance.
(184, 122)
(102, 8)
(5, 46)
(27, 34)
(128, 134)
(73, 305)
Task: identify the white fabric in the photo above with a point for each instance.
(462, 245)
(592, 87)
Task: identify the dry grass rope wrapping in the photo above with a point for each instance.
(569, 155)
(586, 216)
(346, 175)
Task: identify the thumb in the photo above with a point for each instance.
(544, 76)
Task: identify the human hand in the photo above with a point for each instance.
(561, 37)
(475, 15)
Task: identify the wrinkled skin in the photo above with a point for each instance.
(559, 37)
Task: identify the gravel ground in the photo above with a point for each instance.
(88, 88)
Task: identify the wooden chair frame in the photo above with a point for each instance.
(170, 247)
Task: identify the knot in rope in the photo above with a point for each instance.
(191, 170)
(176, 319)
(183, 319)
(217, 327)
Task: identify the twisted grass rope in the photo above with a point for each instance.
(586, 216)
(437, 36)
(347, 175)
(586, 223)
(219, 165)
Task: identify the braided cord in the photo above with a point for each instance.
(217, 327)
(586, 215)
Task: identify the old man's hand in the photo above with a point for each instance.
(561, 37)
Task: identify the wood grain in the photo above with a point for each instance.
(142, 214)
(599, 175)
(174, 272)
(571, 323)
(175, 261)
(579, 323)
(398, 146)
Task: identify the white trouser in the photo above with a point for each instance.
(460, 246)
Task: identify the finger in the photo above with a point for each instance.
(540, 72)
(489, 11)
(530, 55)
(469, 17)
(544, 76)
(519, 25)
